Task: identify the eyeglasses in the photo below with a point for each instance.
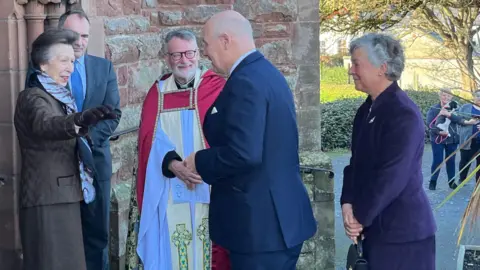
(190, 54)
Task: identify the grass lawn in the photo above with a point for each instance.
(331, 92)
(334, 85)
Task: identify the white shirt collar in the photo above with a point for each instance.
(240, 59)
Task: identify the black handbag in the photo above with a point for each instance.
(355, 256)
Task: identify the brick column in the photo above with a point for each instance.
(54, 11)
(35, 16)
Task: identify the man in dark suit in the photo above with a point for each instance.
(94, 83)
(259, 210)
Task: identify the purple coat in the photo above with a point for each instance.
(384, 181)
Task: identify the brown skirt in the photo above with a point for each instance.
(52, 237)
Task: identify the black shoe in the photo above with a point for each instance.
(452, 185)
(432, 185)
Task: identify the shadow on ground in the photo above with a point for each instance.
(448, 217)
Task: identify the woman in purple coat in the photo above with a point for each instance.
(382, 196)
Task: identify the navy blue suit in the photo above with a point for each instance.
(259, 203)
(384, 183)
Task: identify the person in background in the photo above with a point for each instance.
(443, 141)
(93, 83)
(471, 148)
(383, 199)
(56, 162)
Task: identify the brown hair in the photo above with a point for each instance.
(78, 12)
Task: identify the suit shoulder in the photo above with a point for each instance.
(98, 60)
(408, 102)
(258, 68)
(400, 107)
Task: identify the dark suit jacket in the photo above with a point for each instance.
(384, 181)
(102, 88)
(47, 138)
(258, 200)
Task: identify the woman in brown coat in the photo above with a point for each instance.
(56, 170)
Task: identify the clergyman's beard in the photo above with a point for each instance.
(184, 77)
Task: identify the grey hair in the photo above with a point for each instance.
(382, 49)
(41, 46)
(181, 34)
(445, 90)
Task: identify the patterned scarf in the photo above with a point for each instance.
(65, 96)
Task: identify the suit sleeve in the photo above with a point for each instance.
(169, 157)
(347, 187)
(104, 129)
(399, 149)
(245, 125)
(44, 123)
(348, 184)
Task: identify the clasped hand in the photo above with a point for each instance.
(352, 227)
(186, 171)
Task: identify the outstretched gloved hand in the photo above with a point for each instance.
(91, 117)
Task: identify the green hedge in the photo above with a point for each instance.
(337, 117)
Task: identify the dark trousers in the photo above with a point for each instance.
(95, 227)
(418, 255)
(276, 260)
(466, 156)
(438, 150)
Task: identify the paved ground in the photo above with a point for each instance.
(448, 217)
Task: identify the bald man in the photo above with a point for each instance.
(259, 208)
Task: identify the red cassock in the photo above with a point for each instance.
(208, 90)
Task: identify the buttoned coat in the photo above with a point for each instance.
(50, 186)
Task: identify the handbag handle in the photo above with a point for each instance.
(360, 246)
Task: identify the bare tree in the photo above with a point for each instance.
(453, 21)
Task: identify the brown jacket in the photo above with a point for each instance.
(49, 170)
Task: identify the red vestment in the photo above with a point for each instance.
(208, 90)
